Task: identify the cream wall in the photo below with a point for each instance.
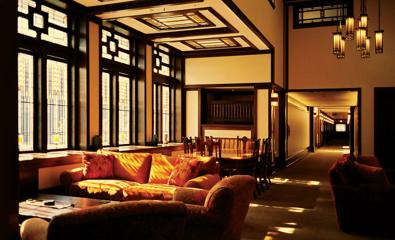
(312, 64)
(270, 22)
(228, 70)
(49, 177)
(192, 113)
(298, 122)
(262, 113)
(228, 133)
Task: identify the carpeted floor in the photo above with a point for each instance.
(298, 204)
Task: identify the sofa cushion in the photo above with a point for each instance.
(371, 174)
(150, 192)
(186, 169)
(97, 166)
(208, 166)
(161, 168)
(101, 188)
(132, 166)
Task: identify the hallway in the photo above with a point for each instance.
(298, 204)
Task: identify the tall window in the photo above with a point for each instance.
(163, 91)
(25, 102)
(116, 62)
(106, 108)
(165, 113)
(44, 33)
(57, 104)
(124, 110)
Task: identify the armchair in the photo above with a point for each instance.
(223, 212)
(145, 219)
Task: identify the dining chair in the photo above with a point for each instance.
(188, 146)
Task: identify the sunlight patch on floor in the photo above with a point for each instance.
(295, 181)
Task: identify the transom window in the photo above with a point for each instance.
(115, 47)
(314, 15)
(42, 22)
(162, 61)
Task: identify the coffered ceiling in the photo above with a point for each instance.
(191, 26)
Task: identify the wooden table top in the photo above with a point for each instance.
(34, 207)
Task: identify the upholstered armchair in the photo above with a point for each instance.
(145, 219)
(363, 196)
(220, 212)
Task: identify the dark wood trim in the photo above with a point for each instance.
(200, 130)
(140, 4)
(272, 3)
(324, 89)
(255, 115)
(311, 127)
(224, 52)
(269, 101)
(183, 100)
(282, 111)
(230, 85)
(272, 66)
(359, 121)
(352, 130)
(247, 22)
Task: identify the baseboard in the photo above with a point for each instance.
(297, 156)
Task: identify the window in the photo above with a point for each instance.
(25, 102)
(57, 104)
(165, 113)
(163, 91)
(116, 105)
(106, 110)
(124, 110)
(44, 91)
(341, 127)
(319, 14)
(40, 21)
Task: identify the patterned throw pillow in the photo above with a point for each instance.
(185, 170)
(98, 166)
(161, 168)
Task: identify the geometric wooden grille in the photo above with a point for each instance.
(115, 47)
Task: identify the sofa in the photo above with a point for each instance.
(135, 176)
(215, 214)
(363, 195)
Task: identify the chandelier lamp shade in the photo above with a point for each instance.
(360, 33)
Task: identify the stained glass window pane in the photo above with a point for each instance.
(55, 36)
(57, 104)
(23, 27)
(105, 108)
(165, 113)
(23, 6)
(122, 58)
(124, 110)
(25, 102)
(55, 17)
(122, 42)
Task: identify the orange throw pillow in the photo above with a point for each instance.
(132, 166)
(185, 170)
(97, 166)
(161, 168)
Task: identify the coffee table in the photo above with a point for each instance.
(35, 207)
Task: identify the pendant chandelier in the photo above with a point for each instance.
(360, 34)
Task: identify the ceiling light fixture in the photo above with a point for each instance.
(360, 34)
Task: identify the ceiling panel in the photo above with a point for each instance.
(188, 25)
(325, 99)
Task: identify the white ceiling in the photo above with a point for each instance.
(222, 17)
(331, 100)
(336, 104)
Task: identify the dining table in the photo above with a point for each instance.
(236, 162)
